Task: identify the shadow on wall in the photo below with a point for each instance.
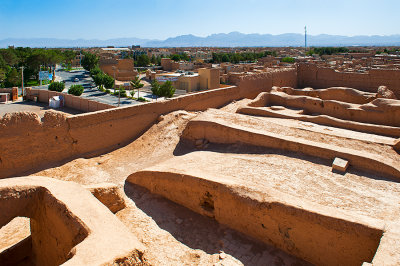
(200, 232)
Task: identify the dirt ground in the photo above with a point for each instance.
(175, 235)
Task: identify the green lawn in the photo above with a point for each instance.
(31, 83)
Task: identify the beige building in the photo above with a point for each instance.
(168, 64)
(205, 79)
(123, 69)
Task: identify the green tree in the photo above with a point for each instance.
(103, 79)
(108, 81)
(164, 90)
(153, 60)
(13, 78)
(155, 88)
(94, 71)
(68, 56)
(225, 58)
(176, 57)
(89, 61)
(2, 76)
(136, 85)
(288, 60)
(76, 90)
(142, 60)
(56, 86)
(9, 56)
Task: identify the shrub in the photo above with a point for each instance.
(167, 90)
(98, 79)
(108, 91)
(94, 71)
(101, 88)
(57, 86)
(141, 99)
(164, 90)
(120, 91)
(155, 87)
(76, 90)
(108, 81)
(288, 60)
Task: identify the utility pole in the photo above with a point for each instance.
(40, 81)
(22, 72)
(305, 40)
(119, 91)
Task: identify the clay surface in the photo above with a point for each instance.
(176, 183)
(59, 219)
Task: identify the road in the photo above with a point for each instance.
(91, 92)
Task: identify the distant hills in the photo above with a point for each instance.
(233, 39)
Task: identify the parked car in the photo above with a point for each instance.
(76, 79)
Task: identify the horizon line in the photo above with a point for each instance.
(189, 34)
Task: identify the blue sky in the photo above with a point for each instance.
(160, 19)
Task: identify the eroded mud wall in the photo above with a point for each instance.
(251, 85)
(310, 75)
(30, 143)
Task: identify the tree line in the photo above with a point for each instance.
(12, 59)
(327, 50)
(236, 58)
(90, 62)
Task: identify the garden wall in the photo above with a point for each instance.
(12, 91)
(71, 101)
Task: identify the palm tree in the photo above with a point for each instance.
(136, 85)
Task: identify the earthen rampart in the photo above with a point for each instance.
(378, 111)
(270, 217)
(63, 230)
(41, 144)
(32, 143)
(310, 75)
(251, 85)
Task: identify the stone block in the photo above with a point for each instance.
(340, 164)
(396, 145)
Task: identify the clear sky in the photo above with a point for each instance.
(160, 19)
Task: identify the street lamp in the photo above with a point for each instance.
(22, 72)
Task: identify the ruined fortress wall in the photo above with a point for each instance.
(30, 143)
(379, 111)
(309, 75)
(251, 85)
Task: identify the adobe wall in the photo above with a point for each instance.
(56, 138)
(342, 94)
(12, 91)
(29, 142)
(270, 217)
(217, 131)
(71, 101)
(379, 111)
(62, 229)
(310, 75)
(251, 85)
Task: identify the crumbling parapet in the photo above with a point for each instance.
(69, 225)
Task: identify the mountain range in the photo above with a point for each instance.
(233, 39)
